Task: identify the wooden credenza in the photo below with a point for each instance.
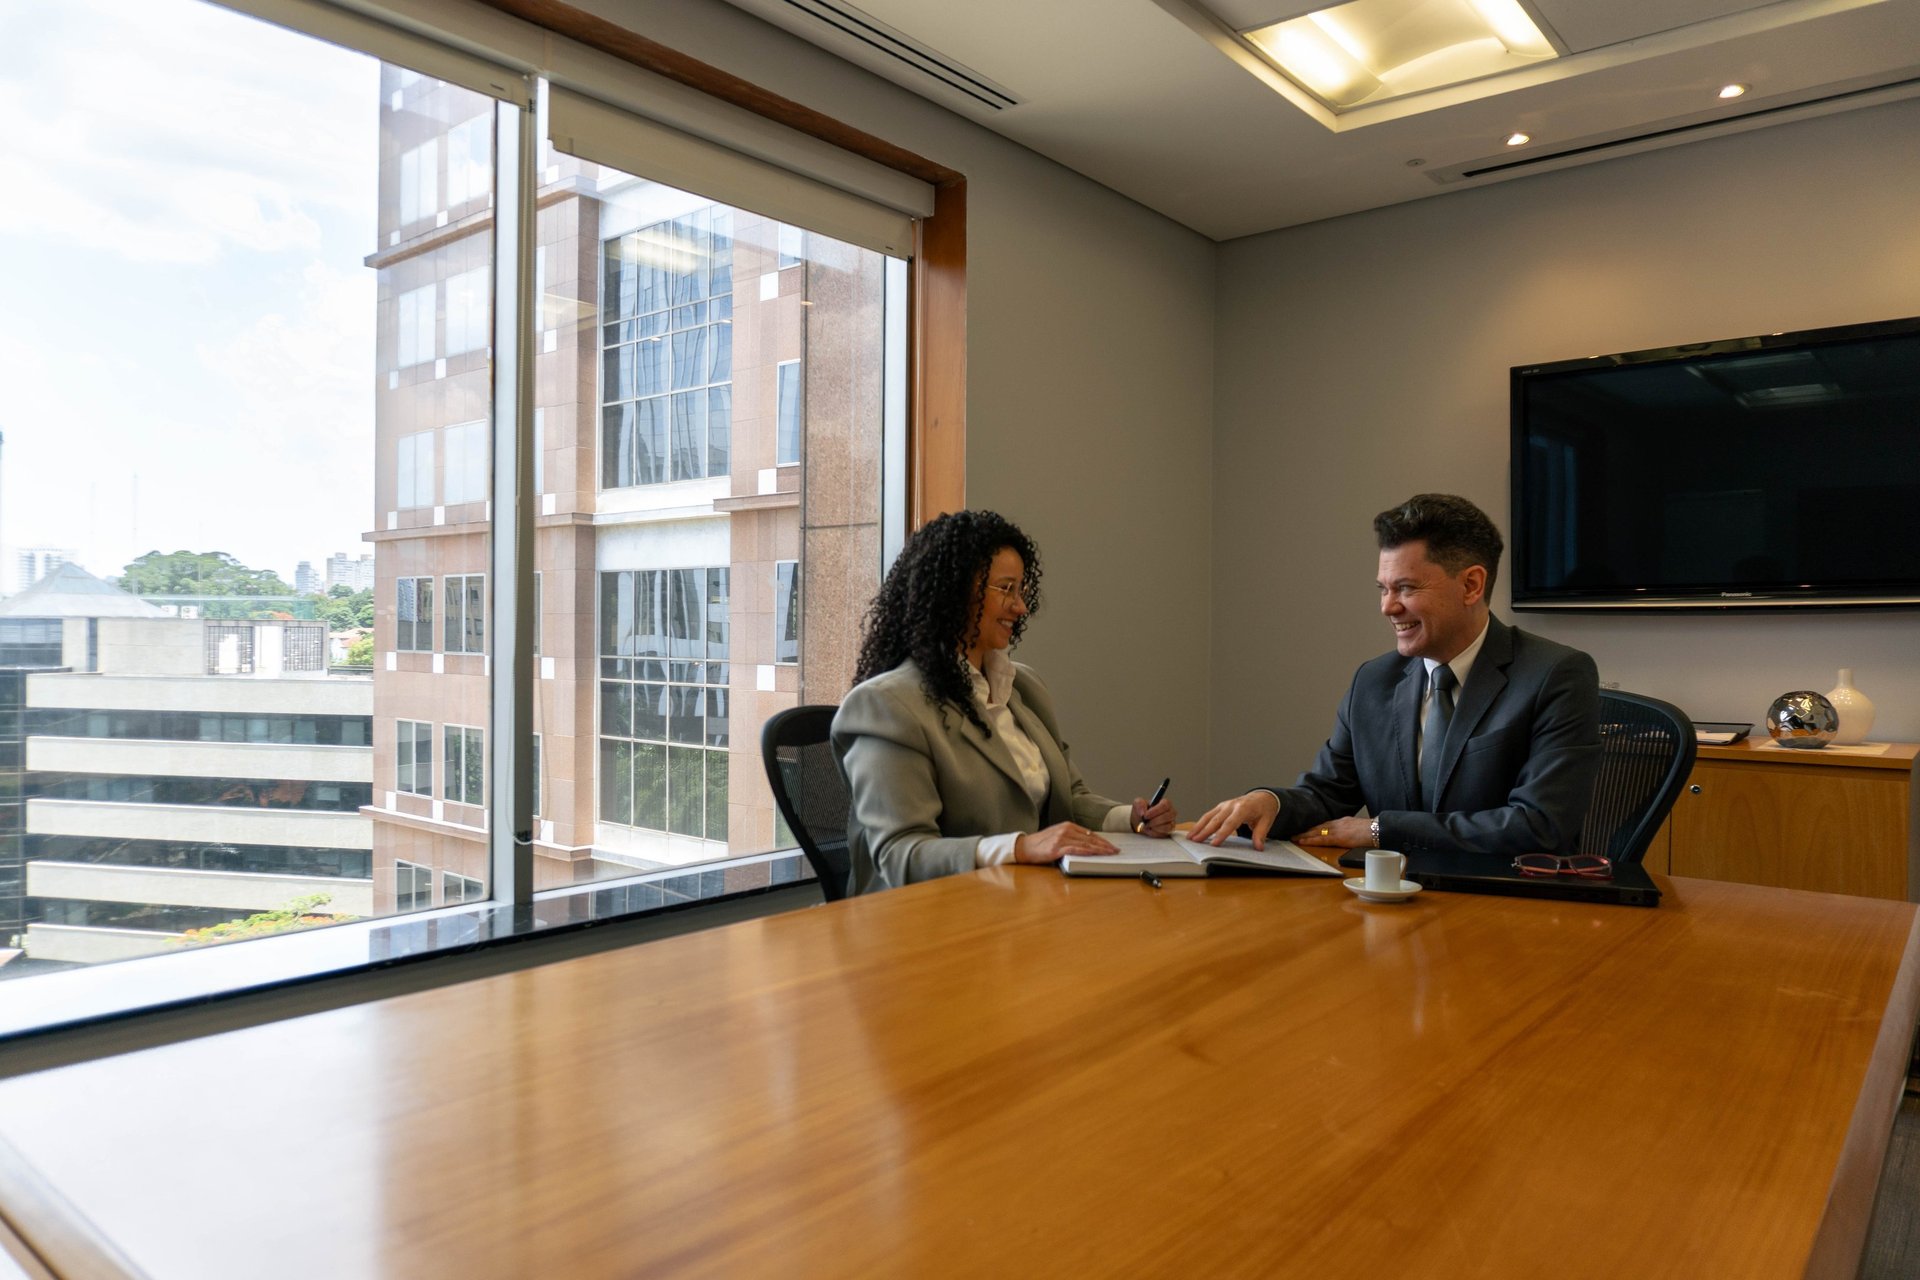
(1820, 820)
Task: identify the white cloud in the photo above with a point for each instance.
(172, 131)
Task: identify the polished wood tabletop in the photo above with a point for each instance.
(1013, 1073)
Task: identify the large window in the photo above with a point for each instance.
(786, 449)
(313, 382)
(413, 614)
(466, 601)
(786, 611)
(464, 765)
(413, 757)
(667, 367)
(664, 726)
(414, 467)
(466, 463)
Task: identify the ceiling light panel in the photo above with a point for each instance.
(1369, 51)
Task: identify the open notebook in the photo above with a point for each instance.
(1182, 857)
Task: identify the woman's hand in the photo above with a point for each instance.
(1155, 821)
(1057, 841)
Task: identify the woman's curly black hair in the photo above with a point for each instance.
(925, 610)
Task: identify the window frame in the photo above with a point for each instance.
(408, 736)
(466, 620)
(932, 476)
(422, 619)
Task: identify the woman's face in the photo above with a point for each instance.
(998, 602)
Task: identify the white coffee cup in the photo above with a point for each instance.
(1384, 869)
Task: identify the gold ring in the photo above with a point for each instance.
(1325, 832)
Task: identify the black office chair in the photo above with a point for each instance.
(811, 793)
(1647, 748)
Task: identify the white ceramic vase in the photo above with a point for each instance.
(1855, 708)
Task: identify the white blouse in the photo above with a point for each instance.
(991, 692)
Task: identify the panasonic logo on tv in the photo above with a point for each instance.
(1736, 595)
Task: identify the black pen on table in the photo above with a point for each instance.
(1159, 794)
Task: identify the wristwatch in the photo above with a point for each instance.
(1373, 832)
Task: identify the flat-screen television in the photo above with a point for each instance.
(1780, 470)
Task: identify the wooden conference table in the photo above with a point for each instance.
(1011, 1073)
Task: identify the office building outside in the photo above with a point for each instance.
(31, 564)
(171, 773)
(306, 579)
(708, 420)
(346, 571)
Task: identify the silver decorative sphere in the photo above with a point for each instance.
(1802, 718)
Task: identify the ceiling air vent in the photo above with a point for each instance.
(905, 51)
(1606, 146)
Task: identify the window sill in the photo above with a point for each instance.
(82, 997)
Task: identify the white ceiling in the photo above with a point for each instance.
(1161, 101)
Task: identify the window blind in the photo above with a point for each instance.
(592, 130)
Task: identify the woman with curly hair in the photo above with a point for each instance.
(951, 749)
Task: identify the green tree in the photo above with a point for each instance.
(343, 609)
(198, 573)
(360, 652)
(301, 913)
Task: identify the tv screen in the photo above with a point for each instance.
(1748, 473)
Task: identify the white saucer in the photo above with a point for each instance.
(1359, 885)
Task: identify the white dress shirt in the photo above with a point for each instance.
(990, 693)
(1462, 664)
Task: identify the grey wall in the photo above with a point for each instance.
(1089, 399)
(1365, 358)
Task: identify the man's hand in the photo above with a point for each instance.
(1058, 840)
(1155, 821)
(1256, 809)
(1341, 833)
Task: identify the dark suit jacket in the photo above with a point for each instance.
(926, 787)
(1518, 762)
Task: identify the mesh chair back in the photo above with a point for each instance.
(810, 791)
(1647, 748)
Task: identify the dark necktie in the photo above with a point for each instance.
(1433, 733)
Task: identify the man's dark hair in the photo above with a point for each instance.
(1456, 532)
(926, 608)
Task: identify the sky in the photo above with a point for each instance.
(186, 326)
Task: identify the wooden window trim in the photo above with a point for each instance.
(937, 310)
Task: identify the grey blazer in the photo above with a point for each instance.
(1520, 756)
(924, 791)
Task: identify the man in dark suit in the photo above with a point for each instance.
(1471, 735)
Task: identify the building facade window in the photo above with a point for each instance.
(470, 160)
(463, 767)
(413, 757)
(667, 337)
(468, 311)
(786, 611)
(793, 246)
(786, 440)
(413, 615)
(466, 470)
(415, 332)
(664, 726)
(457, 888)
(465, 605)
(413, 485)
(420, 182)
(412, 886)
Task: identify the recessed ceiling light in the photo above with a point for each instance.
(1367, 51)
(1733, 90)
(1518, 139)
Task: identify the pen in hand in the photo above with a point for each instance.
(1159, 794)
